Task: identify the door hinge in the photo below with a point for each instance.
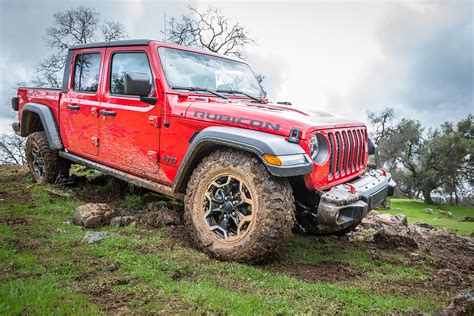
(95, 141)
(154, 121)
(152, 155)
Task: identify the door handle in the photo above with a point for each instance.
(73, 107)
(107, 113)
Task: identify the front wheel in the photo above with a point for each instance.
(236, 210)
(45, 165)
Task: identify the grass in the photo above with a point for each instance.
(414, 211)
(46, 268)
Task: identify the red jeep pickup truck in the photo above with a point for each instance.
(198, 126)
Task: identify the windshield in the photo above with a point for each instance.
(189, 69)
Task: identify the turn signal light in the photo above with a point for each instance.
(272, 160)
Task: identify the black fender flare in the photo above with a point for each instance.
(258, 143)
(47, 120)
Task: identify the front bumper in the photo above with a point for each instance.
(345, 205)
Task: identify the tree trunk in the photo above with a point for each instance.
(427, 196)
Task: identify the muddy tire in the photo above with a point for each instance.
(236, 210)
(44, 163)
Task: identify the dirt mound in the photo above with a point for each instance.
(452, 255)
(389, 238)
(462, 304)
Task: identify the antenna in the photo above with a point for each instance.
(166, 123)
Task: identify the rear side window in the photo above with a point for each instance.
(127, 62)
(86, 72)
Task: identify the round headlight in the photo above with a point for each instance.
(314, 146)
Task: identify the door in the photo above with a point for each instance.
(79, 106)
(129, 128)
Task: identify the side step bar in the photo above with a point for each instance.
(160, 188)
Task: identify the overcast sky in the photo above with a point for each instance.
(341, 57)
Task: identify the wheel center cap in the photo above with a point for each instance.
(228, 206)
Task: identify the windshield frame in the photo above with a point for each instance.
(210, 54)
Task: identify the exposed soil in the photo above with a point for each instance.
(15, 221)
(183, 275)
(318, 272)
(25, 244)
(110, 300)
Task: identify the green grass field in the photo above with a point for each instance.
(46, 268)
(413, 210)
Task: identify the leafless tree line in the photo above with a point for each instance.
(12, 149)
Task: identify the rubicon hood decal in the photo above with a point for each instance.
(236, 120)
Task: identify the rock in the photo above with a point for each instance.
(428, 210)
(123, 221)
(425, 225)
(401, 219)
(363, 234)
(390, 238)
(375, 220)
(462, 304)
(165, 217)
(161, 215)
(445, 213)
(95, 237)
(93, 215)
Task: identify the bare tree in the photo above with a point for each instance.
(74, 26)
(210, 30)
(12, 149)
(381, 124)
(112, 30)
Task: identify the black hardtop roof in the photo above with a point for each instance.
(133, 42)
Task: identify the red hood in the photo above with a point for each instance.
(271, 118)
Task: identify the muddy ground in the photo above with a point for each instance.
(448, 257)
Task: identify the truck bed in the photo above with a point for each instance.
(47, 96)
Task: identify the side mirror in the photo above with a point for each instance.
(137, 83)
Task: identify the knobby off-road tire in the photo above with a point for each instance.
(44, 163)
(271, 200)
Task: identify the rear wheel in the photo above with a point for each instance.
(44, 163)
(236, 210)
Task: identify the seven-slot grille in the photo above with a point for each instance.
(347, 151)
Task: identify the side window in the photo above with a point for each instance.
(86, 72)
(123, 63)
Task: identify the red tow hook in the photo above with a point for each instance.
(384, 172)
(352, 188)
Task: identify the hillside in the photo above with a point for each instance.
(46, 265)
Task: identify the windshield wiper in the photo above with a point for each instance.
(198, 89)
(242, 93)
